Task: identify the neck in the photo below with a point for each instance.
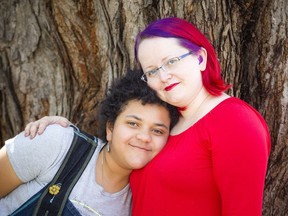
(196, 107)
(110, 175)
(191, 115)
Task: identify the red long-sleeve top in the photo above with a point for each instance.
(216, 167)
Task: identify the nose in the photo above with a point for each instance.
(144, 136)
(163, 74)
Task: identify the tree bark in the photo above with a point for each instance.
(58, 57)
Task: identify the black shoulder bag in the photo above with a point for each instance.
(52, 199)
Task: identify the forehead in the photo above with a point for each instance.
(152, 50)
(153, 44)
(148, 112)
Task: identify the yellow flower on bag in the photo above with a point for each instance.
(54, 189)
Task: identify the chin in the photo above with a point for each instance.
(138, 164)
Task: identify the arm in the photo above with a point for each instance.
(25, 160)
(8, 178)
(38, 127)
(240, 154)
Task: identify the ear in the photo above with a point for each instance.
(109, 131)
(202, 57)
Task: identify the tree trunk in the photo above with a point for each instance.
(58, 57)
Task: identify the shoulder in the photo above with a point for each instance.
(239, 119)
(235, 108)
(53, 135)
(52, 132)
(234, 126)
(41, 153)
(56, 131)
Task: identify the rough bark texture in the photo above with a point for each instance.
(58, 57)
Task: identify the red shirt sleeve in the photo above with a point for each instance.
(240, 146)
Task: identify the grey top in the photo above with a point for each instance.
(41, 157)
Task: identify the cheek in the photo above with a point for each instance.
(154, 86)
(120, 134)
(159, 146)
(158, 89)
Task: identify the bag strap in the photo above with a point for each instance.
(54, 198)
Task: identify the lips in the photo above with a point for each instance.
(140, 148)
(170, 87)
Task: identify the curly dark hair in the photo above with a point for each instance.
(128, 87)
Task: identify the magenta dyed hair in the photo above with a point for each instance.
(191, 38)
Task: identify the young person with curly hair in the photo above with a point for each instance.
(134, 125)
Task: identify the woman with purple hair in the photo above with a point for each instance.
(215, 160)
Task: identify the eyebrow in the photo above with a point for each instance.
(163, 62)
(158, 124)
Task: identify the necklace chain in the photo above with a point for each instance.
(194, 117)
(198, 108)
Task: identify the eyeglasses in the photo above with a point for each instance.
(169, 65)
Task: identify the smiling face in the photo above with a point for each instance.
(180, 85)
(138, 134)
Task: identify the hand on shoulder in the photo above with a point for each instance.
(39, 126)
